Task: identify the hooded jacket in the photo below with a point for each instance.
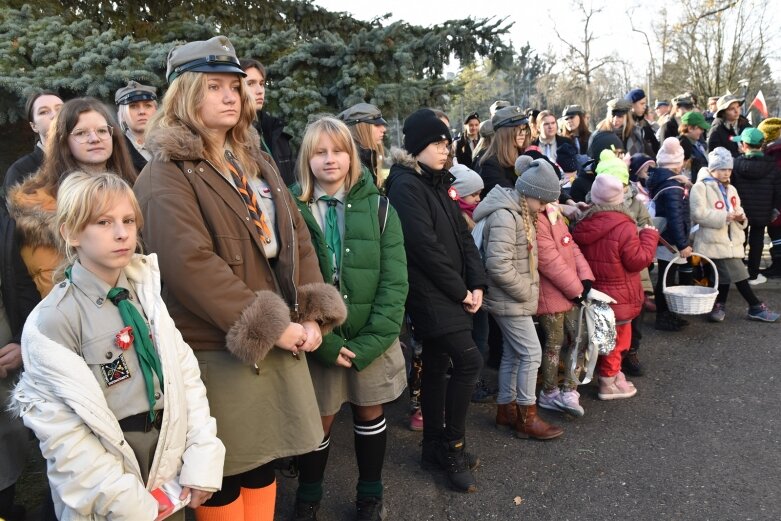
(609, 240)
(716, 238)
(442, 260)
(373, 276)
(93, 472)
(672, 204)
(757, 179)
(34, 214)
(562, 266)
(510, 261)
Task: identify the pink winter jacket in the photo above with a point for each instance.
(561, 265)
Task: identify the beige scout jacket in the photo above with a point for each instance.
(716, 238)
(230, 303)
(513, 281)
(92, 470)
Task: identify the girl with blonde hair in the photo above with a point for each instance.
(358, 240)
(241, 276)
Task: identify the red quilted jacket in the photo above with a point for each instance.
(561, 266)
(608, 238)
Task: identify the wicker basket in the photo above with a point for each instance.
(691, 300)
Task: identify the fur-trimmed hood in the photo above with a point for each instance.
(34, 214)
(400, 156)
(181, 143)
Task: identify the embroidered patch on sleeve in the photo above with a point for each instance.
(116, 371)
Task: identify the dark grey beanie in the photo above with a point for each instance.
(539, 181)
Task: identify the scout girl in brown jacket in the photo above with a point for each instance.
(241, 277)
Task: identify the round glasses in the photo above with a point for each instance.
(82, 135)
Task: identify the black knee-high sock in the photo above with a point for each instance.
(747, 293)
(371, 437)
(723, 293)
(311, 469)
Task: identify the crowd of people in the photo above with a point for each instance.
(274, 287)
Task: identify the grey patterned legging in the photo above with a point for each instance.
(560, 329)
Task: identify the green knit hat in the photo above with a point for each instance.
(611, 165)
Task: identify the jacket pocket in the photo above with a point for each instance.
(232, 250)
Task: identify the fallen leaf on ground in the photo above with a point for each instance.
(518, 500)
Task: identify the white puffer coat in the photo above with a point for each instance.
(715, 238)
(91, 468)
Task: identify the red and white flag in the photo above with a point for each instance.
(759, 104)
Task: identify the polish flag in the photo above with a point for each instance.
(759, 104)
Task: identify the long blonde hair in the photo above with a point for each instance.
(340, 134)
(363, 134)
(181, 108)
(529, 224)
(81, 199)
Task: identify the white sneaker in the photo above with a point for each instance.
(761, 279)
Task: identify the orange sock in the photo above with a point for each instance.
(259, 502)
(230, 512)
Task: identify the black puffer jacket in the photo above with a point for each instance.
(672, 204)
(273, 135)
(720, 135)
(495, 174)
(19, 293)
(758, 181)
(442, 260)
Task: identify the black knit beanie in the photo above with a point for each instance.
(421, 128)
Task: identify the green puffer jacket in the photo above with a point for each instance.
(373, 279)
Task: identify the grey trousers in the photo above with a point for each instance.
(521, 357)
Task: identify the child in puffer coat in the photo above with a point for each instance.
(510, 245)
(565, 278)
(716, 208)
(609, 240)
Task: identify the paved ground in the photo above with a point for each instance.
(700, 441)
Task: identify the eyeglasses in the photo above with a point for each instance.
(82, 135)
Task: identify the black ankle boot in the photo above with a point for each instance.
(434, 455)
(458, 473)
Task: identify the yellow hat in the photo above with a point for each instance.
(771, 128)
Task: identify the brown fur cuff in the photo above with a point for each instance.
(260, 325)
(323, 304)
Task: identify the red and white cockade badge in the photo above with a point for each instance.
(451, 192)
(566, 240)
(734, 201)
(719, 205)
(124, 339)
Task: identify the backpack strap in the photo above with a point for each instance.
(668, 188)
(382, 212)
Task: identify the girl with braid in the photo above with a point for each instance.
(510, 245)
